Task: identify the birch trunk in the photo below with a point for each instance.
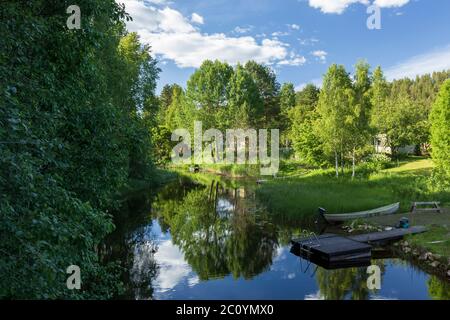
(336, 163)
(353, 164)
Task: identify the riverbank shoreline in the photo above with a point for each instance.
(430, 250)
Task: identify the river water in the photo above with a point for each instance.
(211, 240)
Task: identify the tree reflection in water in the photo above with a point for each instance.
(212, 230)
(219, 231)
(438, 289)
(350, 283)
(132, 245)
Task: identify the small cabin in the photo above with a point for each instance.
(380, 144)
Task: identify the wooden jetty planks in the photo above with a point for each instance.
(386, 236)
(333, 248)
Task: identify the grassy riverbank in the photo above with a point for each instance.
(301, 195)
(430, 250)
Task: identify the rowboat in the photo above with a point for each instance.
(341, 217)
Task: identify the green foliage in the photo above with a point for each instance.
(359, 117)
(305, 141)
(440, 134)
(206, 93)
(244, 102)
(334, 125)
(214, 242)
(287, 97)
(268, 88)
(165, 99)
(287, 103)
(71, 135)
(307, 98)
(401, 109)
(302, 133)
(162, 146)
(438, 289)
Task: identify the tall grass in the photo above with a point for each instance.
(301, 197)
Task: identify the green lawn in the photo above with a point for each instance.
(422, 166)
(300, 197)
(436, 240)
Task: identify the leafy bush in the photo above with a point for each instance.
(70, 137)
(375, 163)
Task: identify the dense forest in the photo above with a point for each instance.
(75, 111)
(80, 121)
(334, 124)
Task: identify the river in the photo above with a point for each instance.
(211, 240)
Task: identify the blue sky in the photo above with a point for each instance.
(299, 39)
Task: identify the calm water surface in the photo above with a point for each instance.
(211, 240)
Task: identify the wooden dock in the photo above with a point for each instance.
(331, 250)
(380, 238)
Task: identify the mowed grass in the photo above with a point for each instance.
(301, 197)
(422, 166)
(436, 239)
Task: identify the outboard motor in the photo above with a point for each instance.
(403, 223)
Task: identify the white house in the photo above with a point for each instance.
(380, 144)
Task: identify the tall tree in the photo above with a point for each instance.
(302, 118)
(244, 102)
(65, 127)
(177, 115)
(307, 98)
(287, 97)
(440, 133)
(334, 109)
(268, 88)
(287, 103)
(165, 100)
(206, 93)
(358, 120)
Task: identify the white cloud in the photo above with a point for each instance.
(280, 34)
(196, 18)
(321, 55)
(315, 296)
(317, 82)
(170, 259)
(308, 42)
(294, 26)
(339, 6)
(437, 60)
(334, 6)
(159, 2)
(294, 60)
(390, 3)
(154, 19)
(243, 29)
(173, 37)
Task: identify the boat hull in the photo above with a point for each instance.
(386, 210)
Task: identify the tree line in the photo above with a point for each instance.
(337, 123)
(343, 119)
(76, 108)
